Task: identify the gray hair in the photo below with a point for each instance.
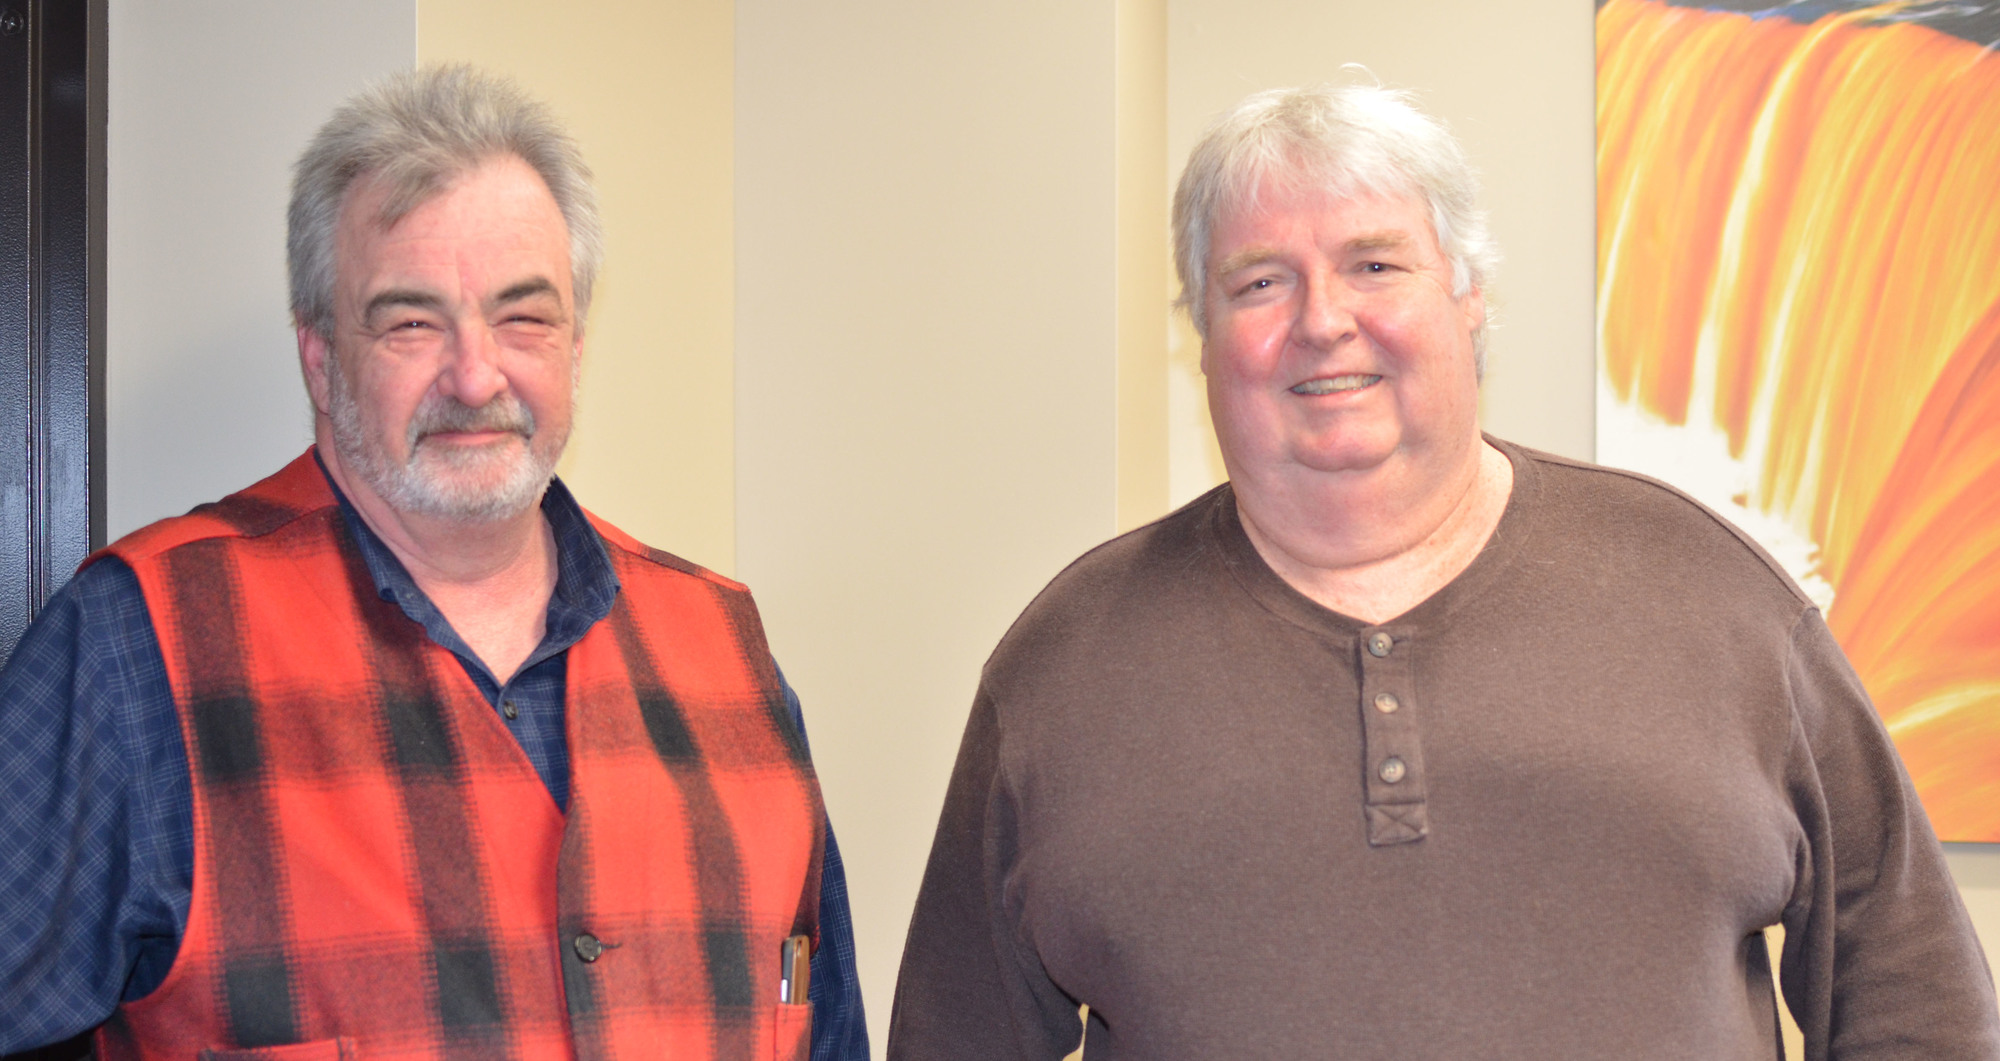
(1349, 140)
(417, 131)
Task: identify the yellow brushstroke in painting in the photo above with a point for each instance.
(1799, 247)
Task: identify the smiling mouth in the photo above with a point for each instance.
(471, 437)
(463, 425)
(1336, 384)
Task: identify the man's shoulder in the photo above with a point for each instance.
(294, 492)
(1633, 520)
(1122, 587)
(642, 557)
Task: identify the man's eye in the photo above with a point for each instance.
(1374, 267)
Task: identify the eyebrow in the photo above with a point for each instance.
(1377, 241)
(539, 285)
(426, 300)
(400, 296)
(1244, 259)
(1362, 244)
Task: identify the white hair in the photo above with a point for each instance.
(416, 132)
(1348, 140)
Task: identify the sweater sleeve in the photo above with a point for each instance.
(1880, 957)
(971, 987)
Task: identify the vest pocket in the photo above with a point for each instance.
(791, 1032)
(320, 1050)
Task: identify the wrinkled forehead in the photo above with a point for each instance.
(1282, 197)
(376, 203)
(494, 196)
(366, 204)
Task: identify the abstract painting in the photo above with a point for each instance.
(1798, 323)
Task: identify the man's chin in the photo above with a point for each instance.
(497, 488)
(1350, 453)
(478, 497)
(471, 453)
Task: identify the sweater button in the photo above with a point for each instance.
(1379, 644)
(1392, 771)
(1387, 703)
(587, 947)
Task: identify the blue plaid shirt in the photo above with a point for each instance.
(97, 842)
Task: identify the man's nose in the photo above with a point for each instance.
(1326, 312)
(473, 374)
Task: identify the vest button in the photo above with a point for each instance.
(587, 947)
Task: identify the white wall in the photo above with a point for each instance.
(645, 88)
(925, 389)
(208, 105)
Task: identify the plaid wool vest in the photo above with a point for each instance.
(380, 873)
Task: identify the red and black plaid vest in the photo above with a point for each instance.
(380, 873)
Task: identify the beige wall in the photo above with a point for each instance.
(1976, 867)
(646, 88)
(926, 385)
(1144, 261)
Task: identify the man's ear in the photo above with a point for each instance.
(313, 364)
(1473, 305)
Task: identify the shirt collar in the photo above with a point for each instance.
(586, 583)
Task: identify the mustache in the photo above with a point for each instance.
(441, 414)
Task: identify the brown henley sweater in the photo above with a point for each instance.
(1544, 814)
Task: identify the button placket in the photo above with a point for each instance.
(1395, 793)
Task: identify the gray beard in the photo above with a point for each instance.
(424, 484)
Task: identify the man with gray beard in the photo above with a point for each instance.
(399, 752)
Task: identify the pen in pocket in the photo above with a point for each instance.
(795, 965)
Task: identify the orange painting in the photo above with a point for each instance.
(1798, 322)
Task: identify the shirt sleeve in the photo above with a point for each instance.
(839, 1029)
(96, 848)
(971, 988)
(1880, 957)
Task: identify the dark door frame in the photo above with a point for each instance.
(52, 59)
(52, 172)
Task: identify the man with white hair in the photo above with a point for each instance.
(1407, 741)
(399, 752)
